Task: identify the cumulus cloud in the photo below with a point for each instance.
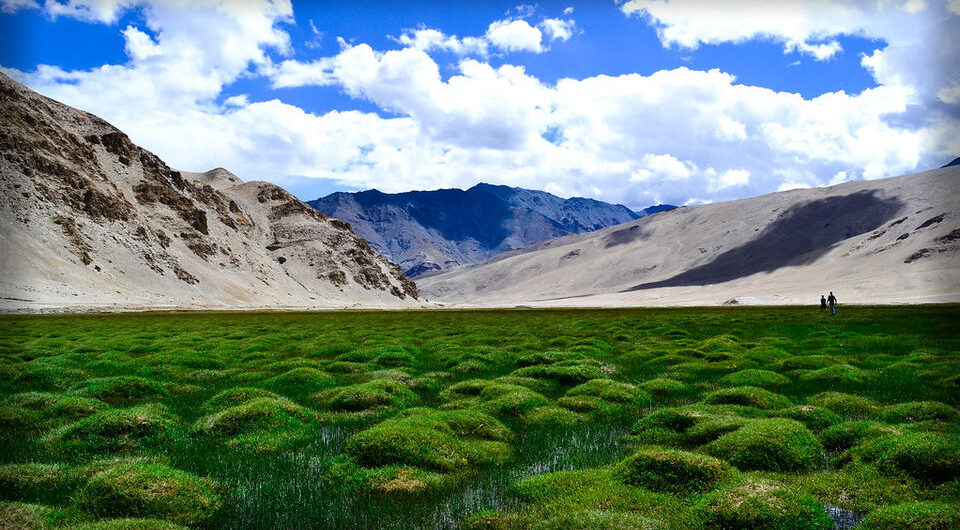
(680, 136)
(508, 35)
(558, 28)
(428, 39)
(515, 35)
(916, 54)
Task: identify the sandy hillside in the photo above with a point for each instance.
(88, 220)
(895, 240)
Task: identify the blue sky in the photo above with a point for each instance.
(637, 102)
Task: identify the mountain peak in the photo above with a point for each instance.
(425, 231)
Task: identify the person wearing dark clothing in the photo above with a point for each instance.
(823, 303)
(832, 300)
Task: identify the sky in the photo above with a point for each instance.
(635, 102)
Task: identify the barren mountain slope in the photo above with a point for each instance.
(90, 220)
(884, 241)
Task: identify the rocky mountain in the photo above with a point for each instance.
(894, 240)
(90, 220)
(426, 231)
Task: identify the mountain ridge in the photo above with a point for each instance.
(892, 240)
(90, 220)
(425, 231)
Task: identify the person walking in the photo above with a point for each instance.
(832, 300)
(823, 303)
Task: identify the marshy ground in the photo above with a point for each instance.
(633, 418)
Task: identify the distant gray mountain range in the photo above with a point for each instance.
(425, 231)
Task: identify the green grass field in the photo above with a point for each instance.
(780, 418)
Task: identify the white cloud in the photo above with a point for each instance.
(666, 167)
(800, 26)
(241, 100)
(139, 45)
(508, 35)
(636, 139)
(103, 11)
(734, 177)
(568, 11)
(558, 29)
(12, 6)
(431, 39)
(515, 35)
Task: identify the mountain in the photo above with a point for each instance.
(425, 231)
(88, 220)
(894, 240)
(954, 162)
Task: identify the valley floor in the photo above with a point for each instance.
(732, 417)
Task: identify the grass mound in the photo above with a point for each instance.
(510, 400)
(48, 408)
(763, 504)
(300, 381)
(847, 405)
(815, 418)
(564, 372)
(769, 445)
(443, 441)
(261, 424)
(25, 516)
(152, 491)
(403, 481)
(235, 396)
(918, 411)
(669, 470)
(34, 481)
(690, 425)
(604, 396)
(45, 377)
(848, 434)
(372, 395)
(120, 390)
(115, 430)
(542, 416)
(550, 357)
(806, 362)
(755, 377)
(664, 386)
(913, 515)
(748, 396)
(611, 391)
(925, 456)
(839, 373)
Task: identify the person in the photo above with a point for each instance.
(832, 300)
(823, 303)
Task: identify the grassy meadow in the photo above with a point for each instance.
(782, 418)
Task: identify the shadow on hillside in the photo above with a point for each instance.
(800, 236)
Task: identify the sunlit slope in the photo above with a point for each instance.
(883, 241)
(90, 220)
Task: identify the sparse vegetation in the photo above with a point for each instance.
(687, 418)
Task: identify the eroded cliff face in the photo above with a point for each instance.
(90, 220)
